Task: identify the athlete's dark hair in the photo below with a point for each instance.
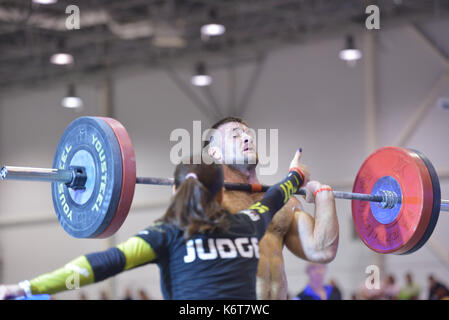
(194, 208)
(222, 122)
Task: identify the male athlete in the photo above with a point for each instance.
(314, 239)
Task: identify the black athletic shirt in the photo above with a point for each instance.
(218, 265)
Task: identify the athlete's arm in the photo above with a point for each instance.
(86, 269)
(315, 238)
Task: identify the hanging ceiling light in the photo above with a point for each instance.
(350, 53)
(61, 57)
(213, 27)
(71, 100)
(201, 78)
(45, 1)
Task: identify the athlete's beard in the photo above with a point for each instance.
(246, 166)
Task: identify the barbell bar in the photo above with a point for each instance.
(68, 177)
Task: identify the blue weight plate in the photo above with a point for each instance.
(89, 142)
(389, 185)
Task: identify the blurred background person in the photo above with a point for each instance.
(391, 288)
(370, 293)
(437, 290)
(143, 295)
(82, 296)
(316, 289)
(104, 295)
(410, 290)
(338, 294)
(128, 294)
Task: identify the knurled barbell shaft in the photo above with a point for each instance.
(66, 176)
(36, 174)
(264, 188)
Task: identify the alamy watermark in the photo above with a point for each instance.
(373, 20)
(232, 147)
(372, 282)
(73, 20)
(72, 281)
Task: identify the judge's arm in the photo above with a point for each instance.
(87, 269)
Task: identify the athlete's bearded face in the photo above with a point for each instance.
(238, 145)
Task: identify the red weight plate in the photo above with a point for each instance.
(436, 203)
(404, 232)
(129, 177)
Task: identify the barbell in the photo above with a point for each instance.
(396, 199)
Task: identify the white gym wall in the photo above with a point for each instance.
(314, 99)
